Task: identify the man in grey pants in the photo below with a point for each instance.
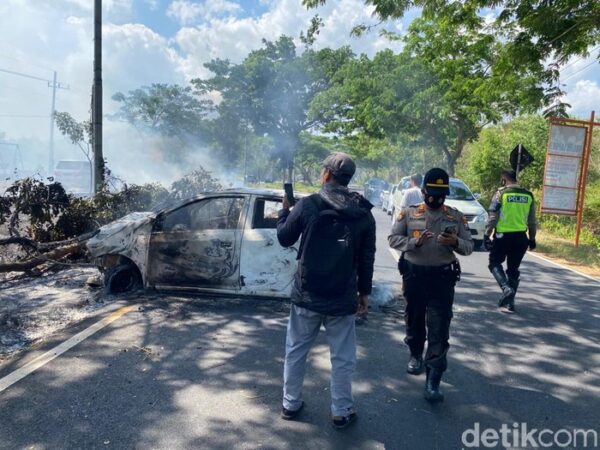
(335, 310)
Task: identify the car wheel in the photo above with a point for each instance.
(478, 245)
(122, 278)
(393, 213)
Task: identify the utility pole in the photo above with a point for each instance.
(51, 147)
(54, 84)
(97, 100)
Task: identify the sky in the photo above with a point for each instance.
(163, 41)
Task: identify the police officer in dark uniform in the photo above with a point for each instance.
(511, 216)
(428, 234)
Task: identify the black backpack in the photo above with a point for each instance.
(327, 253)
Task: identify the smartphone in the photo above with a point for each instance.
(289, 193)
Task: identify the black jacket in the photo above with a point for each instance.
(291, 225)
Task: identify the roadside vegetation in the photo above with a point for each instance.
(462, 92)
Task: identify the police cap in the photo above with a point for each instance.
(436, 182)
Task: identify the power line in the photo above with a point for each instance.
(580, 70)
(579, 58)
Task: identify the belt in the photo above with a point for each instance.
(428, 270)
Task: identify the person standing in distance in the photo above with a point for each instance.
(428, 234)
(511, 216)
(331, 285)
(413, 195)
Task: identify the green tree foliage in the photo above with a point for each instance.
(535, 30)
(194, 183)
(271, 90)
(45, 212)
(33, 205)
(79, 133)
(169, 111)
(441, 90)
(489, 154)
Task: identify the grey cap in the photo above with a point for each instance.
(341, 166)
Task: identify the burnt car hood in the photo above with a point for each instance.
(119, 235)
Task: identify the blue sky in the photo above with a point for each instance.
(168, 41)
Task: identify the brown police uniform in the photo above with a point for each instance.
(429, 274)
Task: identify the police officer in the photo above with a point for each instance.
(428, 234)
(511, 215)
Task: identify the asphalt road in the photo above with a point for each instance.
(185, 373)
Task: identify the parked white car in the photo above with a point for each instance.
(389, 199)
(222, 242)
(397, 197)
(462, 199)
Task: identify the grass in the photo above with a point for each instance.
(585, 258)
(298, 187)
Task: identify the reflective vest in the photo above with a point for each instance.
(515, 204)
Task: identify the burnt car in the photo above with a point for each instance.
(223, 242)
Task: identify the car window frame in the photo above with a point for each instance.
(160, 218)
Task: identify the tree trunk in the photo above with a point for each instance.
(28, 264)
(305, 175)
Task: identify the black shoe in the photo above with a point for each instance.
(415, 365)
(432, 386)
(508, 295)
(288, 414)
(341, 422)
(510, 308)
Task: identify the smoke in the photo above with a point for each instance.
(141, 157)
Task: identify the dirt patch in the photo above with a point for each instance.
(32, 309)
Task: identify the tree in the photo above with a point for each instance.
(271, 90)
(535, 30)
(80, 134)
(170, 111)
(441, 89)
(489, 154)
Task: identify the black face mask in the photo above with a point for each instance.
(434, 201)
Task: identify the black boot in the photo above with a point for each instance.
(508, 292)
(514, 283)
(432, 386)
(415, 365)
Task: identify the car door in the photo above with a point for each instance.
(266, 268)
(198, 245)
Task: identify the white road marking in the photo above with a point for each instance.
(396, 256)
(589, 277)
(44, 359)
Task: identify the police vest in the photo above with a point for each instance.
(515, 204)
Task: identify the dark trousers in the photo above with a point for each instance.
(427, 316)
(512, 248)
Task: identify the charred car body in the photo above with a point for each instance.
(222, 242)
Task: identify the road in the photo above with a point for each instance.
(185, 373)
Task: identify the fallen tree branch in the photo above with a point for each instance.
(45, 246)
(25, 242)
(28, 264)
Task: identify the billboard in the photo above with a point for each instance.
(566, 145)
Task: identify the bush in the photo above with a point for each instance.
(52, 215)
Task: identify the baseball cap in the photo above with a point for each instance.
(341, 166)
(436, 182)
